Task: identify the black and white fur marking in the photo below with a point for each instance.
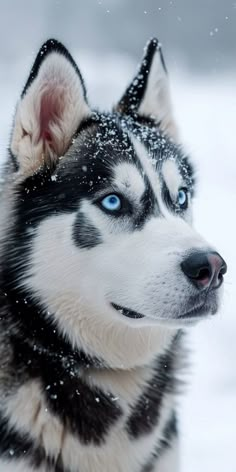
(93, 302)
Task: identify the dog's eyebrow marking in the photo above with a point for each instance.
(129, 180)
(147, 166)
(171, 176)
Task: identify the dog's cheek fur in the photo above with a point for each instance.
(63, 276)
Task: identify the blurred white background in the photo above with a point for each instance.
(106, 38)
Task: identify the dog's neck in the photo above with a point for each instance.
(38, 337)
(80, 389)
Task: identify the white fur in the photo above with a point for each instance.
(18, 466)
(172, 177)
(129, 181)
(65, 277)
(148, 165)
(170, 460)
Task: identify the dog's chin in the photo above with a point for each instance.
(188, 316)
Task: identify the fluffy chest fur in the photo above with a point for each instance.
(63, 414)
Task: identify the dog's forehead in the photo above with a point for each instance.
(116, 147)
(121, 153)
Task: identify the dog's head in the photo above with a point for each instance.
(102, 221)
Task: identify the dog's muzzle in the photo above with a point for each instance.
(205, 271)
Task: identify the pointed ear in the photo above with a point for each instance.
(148, 95)
(51, 108)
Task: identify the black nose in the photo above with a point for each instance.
(204, 269)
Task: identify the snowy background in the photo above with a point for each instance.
(106, 38)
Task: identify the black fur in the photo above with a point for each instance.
(50, 46)
(88, 412)
(58, 368)
(134, 94)
(85, 235)
(40, 352)
(146, 411)
(15, 445)
(169, 434)
(148, 204)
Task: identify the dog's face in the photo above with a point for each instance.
(103, 210)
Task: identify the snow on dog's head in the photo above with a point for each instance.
(103, 241)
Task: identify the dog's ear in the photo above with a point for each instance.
(51, 108)
(148, 94)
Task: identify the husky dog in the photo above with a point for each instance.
(100, 272)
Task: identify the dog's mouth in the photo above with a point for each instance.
(127, 312)
(193, 313)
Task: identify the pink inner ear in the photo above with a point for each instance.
(51, 111)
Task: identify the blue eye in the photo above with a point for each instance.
(111, 202)
(182, 198)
